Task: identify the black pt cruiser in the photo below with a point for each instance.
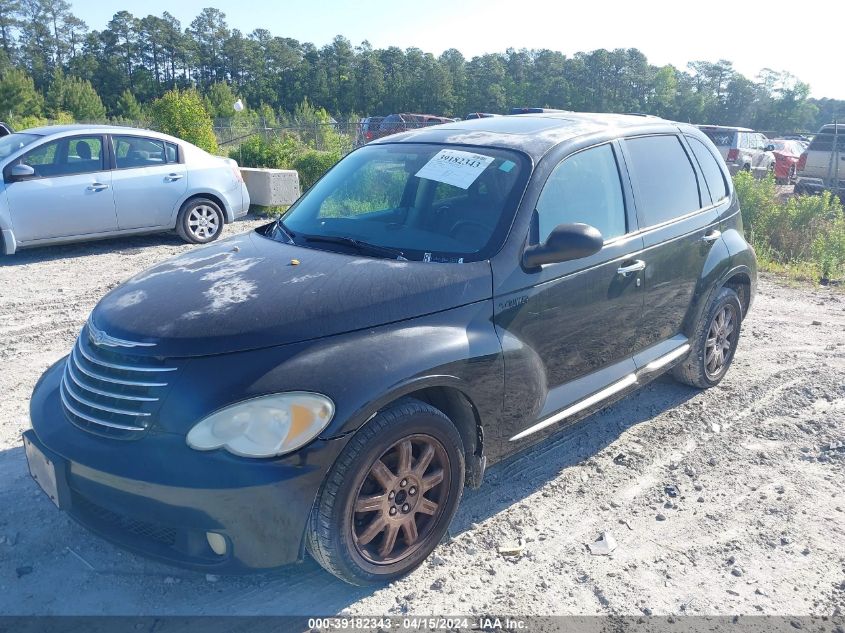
(440, 299)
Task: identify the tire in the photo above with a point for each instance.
(369, 495)
(200, 221)
(700, 369)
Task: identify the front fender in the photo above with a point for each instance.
(360, 371)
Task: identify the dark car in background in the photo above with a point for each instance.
(480, 115)
(395, 123)
(533, 110)
(368, 129)
(331, 381)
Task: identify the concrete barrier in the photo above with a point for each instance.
(271, 187)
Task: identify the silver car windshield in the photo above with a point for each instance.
(13, 142)
(439, 203)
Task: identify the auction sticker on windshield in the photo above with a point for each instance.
(455, 167)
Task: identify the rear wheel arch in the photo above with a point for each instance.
(216, 199)
(740, 283)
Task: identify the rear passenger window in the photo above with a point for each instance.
(585, 188)
(135, 151)
(667, 184)
(713, 175)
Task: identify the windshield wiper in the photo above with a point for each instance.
(360, 246)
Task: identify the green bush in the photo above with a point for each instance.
(312, 164)
(181, 113)
(275, 153)
(18, 96)
(799, 232)
(829, 250)
(75, 96)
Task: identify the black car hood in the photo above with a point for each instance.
(245, 293)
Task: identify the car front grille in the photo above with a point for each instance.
(109, 392)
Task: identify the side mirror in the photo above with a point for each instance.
(565, 243)
(770, 148)
(20, 172)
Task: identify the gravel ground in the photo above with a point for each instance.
(728, 501)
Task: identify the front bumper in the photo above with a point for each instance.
(159, 498)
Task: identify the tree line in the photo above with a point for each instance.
(53, 65)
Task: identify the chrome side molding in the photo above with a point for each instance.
(587, 402)
(664, 360)
(605, 393)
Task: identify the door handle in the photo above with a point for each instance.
(173, 177)
(712, 235)
(97, 186)
(636, 266)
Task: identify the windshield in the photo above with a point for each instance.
(423, 202)
(13, 142)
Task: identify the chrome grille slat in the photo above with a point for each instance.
(140, 368)
(111, 425)
(117, 381)
(108, 390)
(108, 394)
(101, 407)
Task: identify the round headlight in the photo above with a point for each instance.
(266, 426)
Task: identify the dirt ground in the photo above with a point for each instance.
(728, 501)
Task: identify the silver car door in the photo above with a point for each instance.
(149, 181)
(69, 194)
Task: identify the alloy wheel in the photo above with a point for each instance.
(721, 340)
(401, 499)
(203, 222)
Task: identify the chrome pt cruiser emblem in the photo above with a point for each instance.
(101, 339)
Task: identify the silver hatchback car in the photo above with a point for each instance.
(72, 183)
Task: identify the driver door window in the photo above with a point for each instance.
(584, 188)
(66, 157)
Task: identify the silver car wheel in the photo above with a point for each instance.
(721, 341)
(203, 222)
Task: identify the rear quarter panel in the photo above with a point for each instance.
(211, 175)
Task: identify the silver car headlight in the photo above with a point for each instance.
(266, 426)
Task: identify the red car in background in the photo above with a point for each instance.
(787, 152)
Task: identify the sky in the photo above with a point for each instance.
(753, 35)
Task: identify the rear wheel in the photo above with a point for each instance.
(714, 342)
(200, 221)
(390, 496)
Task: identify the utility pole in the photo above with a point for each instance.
(833, 163)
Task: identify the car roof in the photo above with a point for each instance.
(731, 128)
(55, 130)
(533, 134)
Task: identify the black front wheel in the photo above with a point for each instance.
(390, 496)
